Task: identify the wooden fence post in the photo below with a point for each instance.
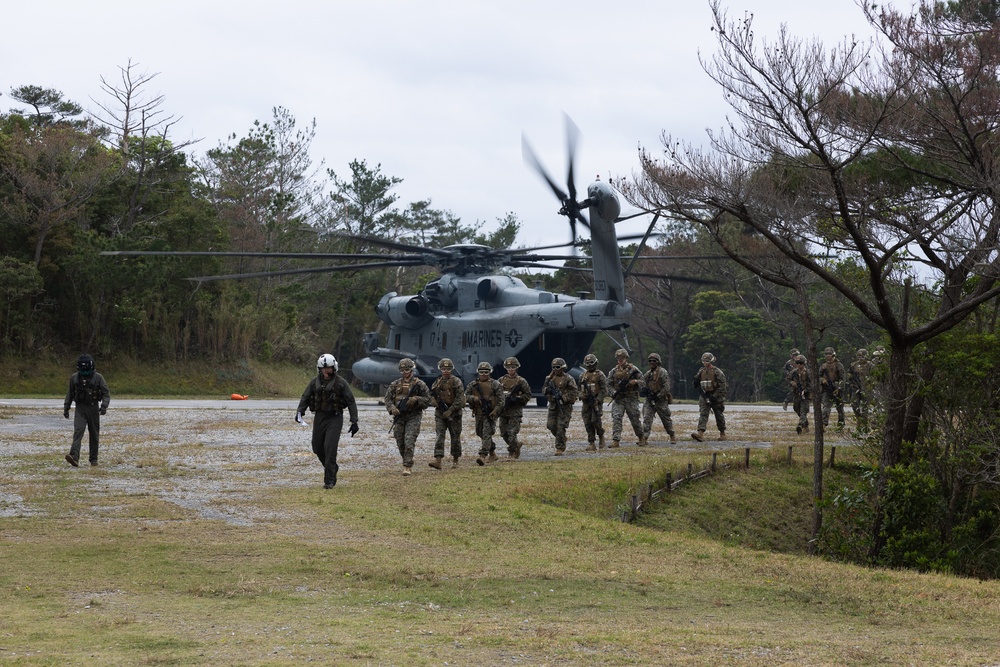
(789, 454)
(715, 457)
(670, 481)
(746, 463)
(690, 468)
(833, 454)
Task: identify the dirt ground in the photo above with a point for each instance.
(201, 455)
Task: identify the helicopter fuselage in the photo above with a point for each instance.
(474, 318)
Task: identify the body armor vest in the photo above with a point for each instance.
(87, 392)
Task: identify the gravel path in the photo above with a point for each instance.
(204, 455)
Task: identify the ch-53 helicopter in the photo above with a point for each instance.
(473, 312)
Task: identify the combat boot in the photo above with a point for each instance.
(699, 436)
(454, 461)
(493, 457)
(785, 406)
(481, 460)
(722, 435)
(436, 463)
(591, 447)
(406, 471)
(615, 444)
(673, 439)
(600, 441)
(642, 441)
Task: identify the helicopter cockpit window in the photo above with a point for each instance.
(545, 297)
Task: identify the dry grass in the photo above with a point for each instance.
(208, 540)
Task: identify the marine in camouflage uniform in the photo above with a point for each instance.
(788, 368)
(799, 379)
(624, 383)
(861, 368)
(658, 398)
(561, 393)
(593, 390)
(485, 396)
(406, 399)
(327, 396)
(712, 388)
(831, 382)
(89, 390)
(448, 398)
(517, 394)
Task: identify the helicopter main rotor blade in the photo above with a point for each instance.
(676, 257)
(583, 269)
(282, 255)
(395, 245)
(681, 279)
(315, 269)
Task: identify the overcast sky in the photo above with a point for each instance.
(436, 92)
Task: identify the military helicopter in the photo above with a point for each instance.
(473, 312)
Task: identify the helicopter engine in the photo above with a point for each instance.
(408, 312)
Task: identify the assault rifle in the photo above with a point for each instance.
(590, 397)
(622, 386)
(402, 404)
(514, 393)
(485, 405)
(701, 390)
(438, 403)
(557, 396)
(829, 385)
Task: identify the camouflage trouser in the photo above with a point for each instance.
(717, 407)
(830, 400)
(485, 428)
(652, 408)
(619, 409)
(509, 427)
(801, 406)
(859, 404)
(453, 427)
(593, 422)
(406, 430)
(558, 421)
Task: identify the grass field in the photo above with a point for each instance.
(510, 564)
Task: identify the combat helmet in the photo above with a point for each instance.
(829, 352)
(485, 367)
(862, 353)
(653, 356)
(326, 361)
(590, 362)
(558, 362)
(511, 362)
(794, 352)
(407, 364)
(709, 357)
(446, 364)
(800, 359)
(621, 352)
(85, 365)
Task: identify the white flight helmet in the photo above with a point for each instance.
(326, 361)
